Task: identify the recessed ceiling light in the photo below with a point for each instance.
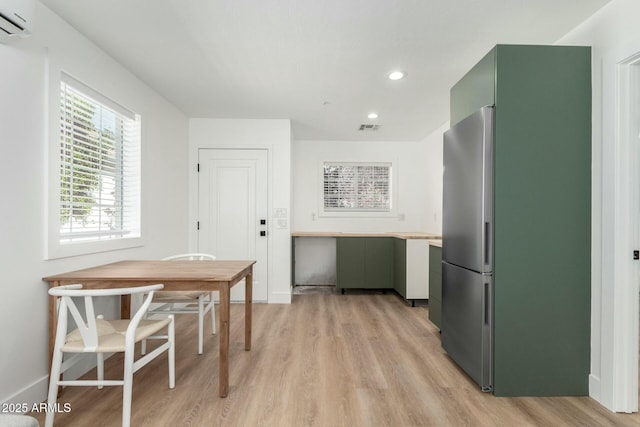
(373, 115)
(397, 75)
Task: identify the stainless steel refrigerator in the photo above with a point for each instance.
(467, 249)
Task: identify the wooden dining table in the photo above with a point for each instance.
(216, 275)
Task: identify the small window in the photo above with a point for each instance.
(357, 187)
(99, 167)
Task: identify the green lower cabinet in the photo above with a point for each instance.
(364, 262)
(435, 285)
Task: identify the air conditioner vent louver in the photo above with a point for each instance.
(16, 19)
(9, 26)
(368, 127)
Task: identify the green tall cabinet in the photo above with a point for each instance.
(542, 206)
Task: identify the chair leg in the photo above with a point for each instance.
(100, 368)
(127, 388)
(54, 377)
(171, 337)
(143, 343)
(200, 323)
(213, 314)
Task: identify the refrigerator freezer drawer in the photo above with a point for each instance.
(467, 321)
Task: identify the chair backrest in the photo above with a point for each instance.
(88, 324)
(190, 257)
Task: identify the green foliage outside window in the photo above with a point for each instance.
(86, 153)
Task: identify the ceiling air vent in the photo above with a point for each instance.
(368, 127)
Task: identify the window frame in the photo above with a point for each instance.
(361, 213)
(55, 247)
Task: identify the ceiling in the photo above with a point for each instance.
(321, 63)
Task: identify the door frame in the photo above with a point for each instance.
(615, 312)
(261, 170)
(274, 295)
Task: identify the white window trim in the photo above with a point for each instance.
(392, 213)
(55, 249)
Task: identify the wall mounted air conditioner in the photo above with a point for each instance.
(16, 19)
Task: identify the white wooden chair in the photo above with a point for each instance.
(96, 335)
(177, 302)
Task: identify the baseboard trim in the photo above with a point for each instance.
(595, 388)
(280, 297)
(33, 393)
(36, 392)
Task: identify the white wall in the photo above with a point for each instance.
(417, 171)
(275, 137)
(434, 173)
(614, 34)
(409, 171)
(25, 141)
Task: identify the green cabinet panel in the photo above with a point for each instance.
(378, 262)
(475, 90)
(542, 214)
(364, 262)
(400, 267)
(350, 265)
(435, 285)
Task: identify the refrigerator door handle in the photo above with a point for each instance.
(487, 338)
(487, 308)
(487, 243)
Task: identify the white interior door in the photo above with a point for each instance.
(233, 211)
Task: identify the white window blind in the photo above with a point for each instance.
(357, 187)
(99, 166)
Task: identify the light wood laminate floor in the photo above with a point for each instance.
(360, 359)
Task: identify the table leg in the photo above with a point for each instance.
(224, 339)
(53, 323)
(125, 306)
(248, 301)
(53, 329)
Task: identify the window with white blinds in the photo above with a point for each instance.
(99, 166)
(357, 187)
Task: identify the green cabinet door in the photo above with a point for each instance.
(350, 265)
(378, 262)
(364, 262)
(475, 90)
(435, 285)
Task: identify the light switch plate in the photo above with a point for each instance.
(280, 213)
